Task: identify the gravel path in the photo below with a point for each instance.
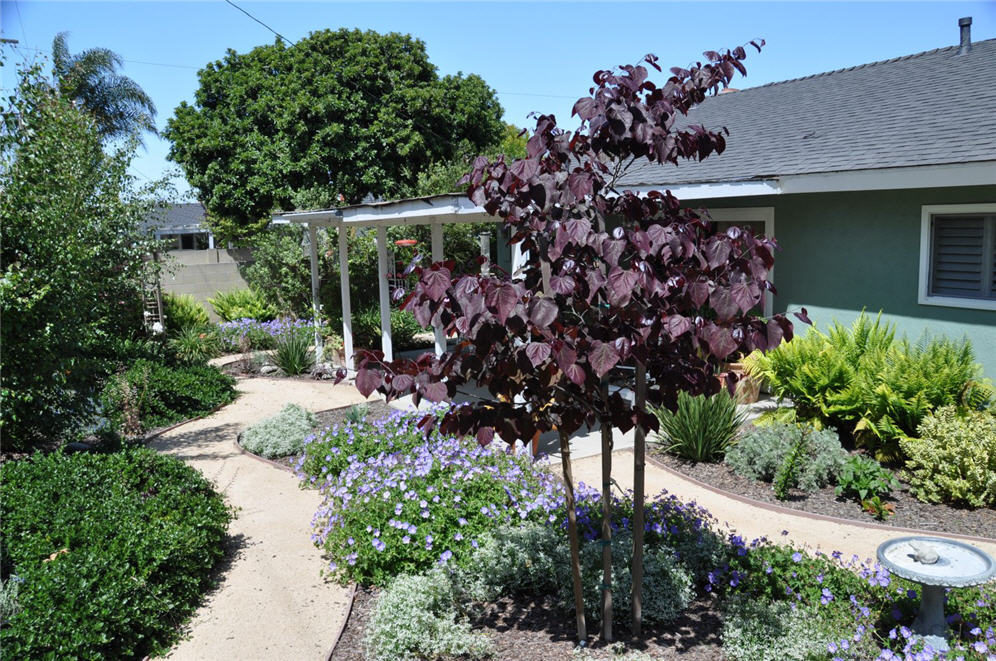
(271, 601)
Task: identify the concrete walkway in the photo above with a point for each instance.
(271, 602)
(749, 519)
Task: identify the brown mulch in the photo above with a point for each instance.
(524, 629)
(910, 512)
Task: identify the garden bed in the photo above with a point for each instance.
(526, 630)
(910, 512)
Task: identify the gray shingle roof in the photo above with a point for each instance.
(187, 215)
(930, 108)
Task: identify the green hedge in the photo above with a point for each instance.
(150, 395)
(111, 552)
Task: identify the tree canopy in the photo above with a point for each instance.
(90, 79)
(329, 120)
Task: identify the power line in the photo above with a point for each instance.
(155, 64)
(17, 7)
(260, 22)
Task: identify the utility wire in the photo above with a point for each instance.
(260, 22)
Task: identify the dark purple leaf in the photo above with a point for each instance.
(485, 435)
(720, 341)
(564, 285)
(503, 300)
(699, 292)
(621, 283)
(402, 383)
(575, 374)
(542, 312)
(368, 380)
(803, 316)
(676, 325)
(537, 352)
(602, 357)
(578, 229)
(436, 282)
(525, 168)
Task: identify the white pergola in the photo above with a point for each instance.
(434, 211)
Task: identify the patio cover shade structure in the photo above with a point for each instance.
(434, 211)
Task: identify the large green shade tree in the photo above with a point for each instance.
(329, 120)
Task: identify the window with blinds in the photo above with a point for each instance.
(963, 256)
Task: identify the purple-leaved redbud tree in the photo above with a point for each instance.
(613, 279)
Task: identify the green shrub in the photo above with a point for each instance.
(242, 304)
(954, 460)
(773, 631)
(183, 311)
(195, 345)
(71, 259)
(150, 395)
(862, 381)
(366, 328)
(416, 618)
(761, 451)
(701, 428)
(863, 478)
(112, 552)
(294, 353)
(282, 435)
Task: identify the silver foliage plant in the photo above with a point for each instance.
(760, 452)
(282, 435)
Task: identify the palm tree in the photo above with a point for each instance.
(90, 79)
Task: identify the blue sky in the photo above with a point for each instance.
(537, 56)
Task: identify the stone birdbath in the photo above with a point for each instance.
(935, 563)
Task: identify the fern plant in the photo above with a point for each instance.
(701, 428)
(862, 381)
(786, 474)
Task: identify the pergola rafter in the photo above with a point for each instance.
(435, 211)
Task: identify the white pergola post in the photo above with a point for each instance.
(385, 294)
(436, 235)
(347, 312)
(316, 319)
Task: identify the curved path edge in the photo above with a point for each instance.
(752, 519)
(271, 601)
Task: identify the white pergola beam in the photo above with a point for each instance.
(347, 314)
(385, 294)
(436, 236)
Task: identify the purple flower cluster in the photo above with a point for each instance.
(261, 334)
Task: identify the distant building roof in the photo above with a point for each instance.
(931, 108)
(186, 216)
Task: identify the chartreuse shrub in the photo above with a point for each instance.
(954, 459)
(242, 304)
(109, 552)
(183, 311)
(281, 435)
(701, 428)
(761, 451)
(417, 617)
(865, 383)
(149, 395)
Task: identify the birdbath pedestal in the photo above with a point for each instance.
(935, 563)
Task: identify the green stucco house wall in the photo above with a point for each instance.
(844, 252)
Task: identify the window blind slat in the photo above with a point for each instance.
(957, 264)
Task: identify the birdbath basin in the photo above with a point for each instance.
(935, 563)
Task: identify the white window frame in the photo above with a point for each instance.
(751, 215)
(924, 297)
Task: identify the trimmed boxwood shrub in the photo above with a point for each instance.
(150, 395)
(111, 552)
